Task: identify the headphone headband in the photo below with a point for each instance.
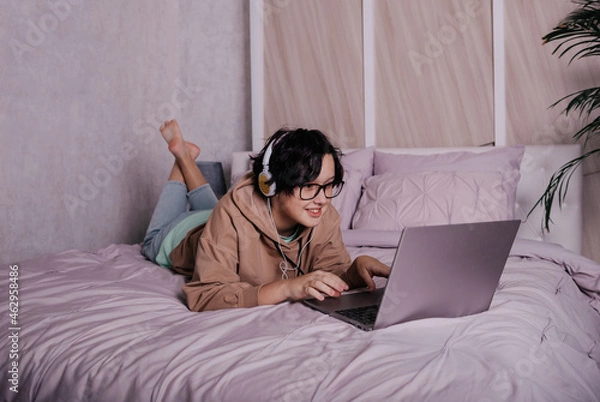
(267, 156)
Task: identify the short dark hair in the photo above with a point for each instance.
(296, 158)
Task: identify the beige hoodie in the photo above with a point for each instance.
(236, 251)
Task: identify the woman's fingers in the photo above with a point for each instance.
(367, 267)
(321, 283)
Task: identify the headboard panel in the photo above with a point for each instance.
(538, 164)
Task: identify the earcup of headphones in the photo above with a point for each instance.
(268, 189)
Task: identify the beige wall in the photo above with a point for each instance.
(433, 73)
(433, 76)
(304, 89)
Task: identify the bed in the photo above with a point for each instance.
(111, 326)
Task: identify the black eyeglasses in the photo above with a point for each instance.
(310, 191)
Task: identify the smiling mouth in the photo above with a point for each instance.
(316, 212)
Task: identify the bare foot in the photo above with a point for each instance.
(193, 149)
(185, 153)
(170, 129)
(177, 145)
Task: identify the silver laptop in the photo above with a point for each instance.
(438, 271)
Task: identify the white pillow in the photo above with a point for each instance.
(393, 201)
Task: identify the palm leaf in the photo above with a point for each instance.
(584, 102)
(580, 29)
(559, 183)
(588, 131)
(578, 34)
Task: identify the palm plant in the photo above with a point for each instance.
(579, 35)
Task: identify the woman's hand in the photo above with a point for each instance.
(363, 269)
(319, 284)
(315, 284)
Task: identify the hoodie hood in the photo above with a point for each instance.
(253, 205)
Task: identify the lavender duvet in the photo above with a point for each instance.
(112, 326)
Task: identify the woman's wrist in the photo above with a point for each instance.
(273, 293)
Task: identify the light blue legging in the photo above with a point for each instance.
(172, 208)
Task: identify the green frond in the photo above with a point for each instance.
(584, 101)
(558, 186)
(580, 29)
(578, 35)
(588, 131)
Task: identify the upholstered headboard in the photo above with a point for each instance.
(538, 164)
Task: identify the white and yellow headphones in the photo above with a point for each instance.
(268, 189)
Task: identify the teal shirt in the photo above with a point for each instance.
(288, 239)
(178, 233)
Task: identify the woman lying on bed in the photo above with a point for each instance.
(274, 237)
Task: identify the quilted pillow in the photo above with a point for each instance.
(392, 201)
(496, 159)
(358, 165)
(347, 201)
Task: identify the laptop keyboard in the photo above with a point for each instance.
(364, 315)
